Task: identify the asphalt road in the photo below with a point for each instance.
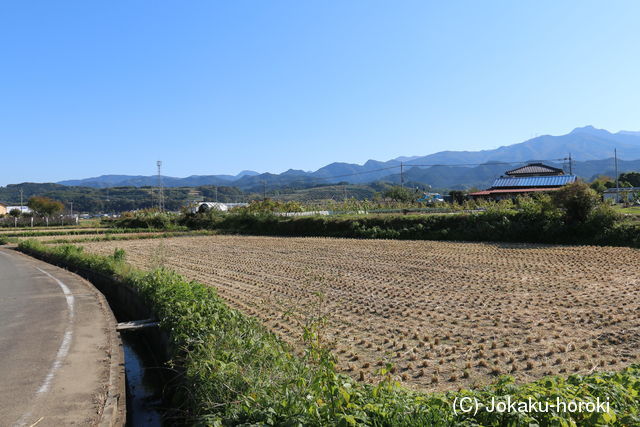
(56, 345)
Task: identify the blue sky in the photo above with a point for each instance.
(209, 87)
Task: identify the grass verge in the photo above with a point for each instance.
(62, 232)
(237, 372)
(130, 236)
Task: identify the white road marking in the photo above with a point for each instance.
(64, 346)
(67, 293)
(34, 424)
(68, 334)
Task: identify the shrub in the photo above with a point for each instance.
(400, 194)
(151, 219)
(119, 255)
(577, 200)
(268, 206)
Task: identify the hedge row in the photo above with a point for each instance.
(601, 228)
(236, 372)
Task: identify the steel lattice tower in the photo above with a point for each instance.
(160, 188)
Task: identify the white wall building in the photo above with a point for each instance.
(22, 209)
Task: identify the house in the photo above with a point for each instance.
(3, 209)
(529, 179)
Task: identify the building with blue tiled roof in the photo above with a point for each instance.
(532, 178)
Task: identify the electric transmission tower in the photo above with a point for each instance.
(160, 188)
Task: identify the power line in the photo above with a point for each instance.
(355, 173)
(322, 180)
(483, 164)
(314, 180)
(402, 165)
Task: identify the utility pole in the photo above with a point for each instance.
(264, 190)
(76, 218)
(21, 200)
(401, 175)
(564, 160)
(216, 193)
(160, 189)
(615, 158)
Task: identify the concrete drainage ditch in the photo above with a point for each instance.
(145, 348)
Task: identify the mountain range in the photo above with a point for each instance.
(591, 150)
(105, 181)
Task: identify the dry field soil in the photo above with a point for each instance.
(446, 315)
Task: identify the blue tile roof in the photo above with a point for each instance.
(533, 181)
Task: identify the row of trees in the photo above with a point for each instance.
(39, 206)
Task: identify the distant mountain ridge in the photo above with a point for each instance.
(588, 146)
(105, 181)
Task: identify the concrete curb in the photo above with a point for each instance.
(114, 410)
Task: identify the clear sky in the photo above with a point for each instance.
(109, 87)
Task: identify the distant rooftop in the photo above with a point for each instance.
(535, 169)
(533, 181)
(513, 191)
